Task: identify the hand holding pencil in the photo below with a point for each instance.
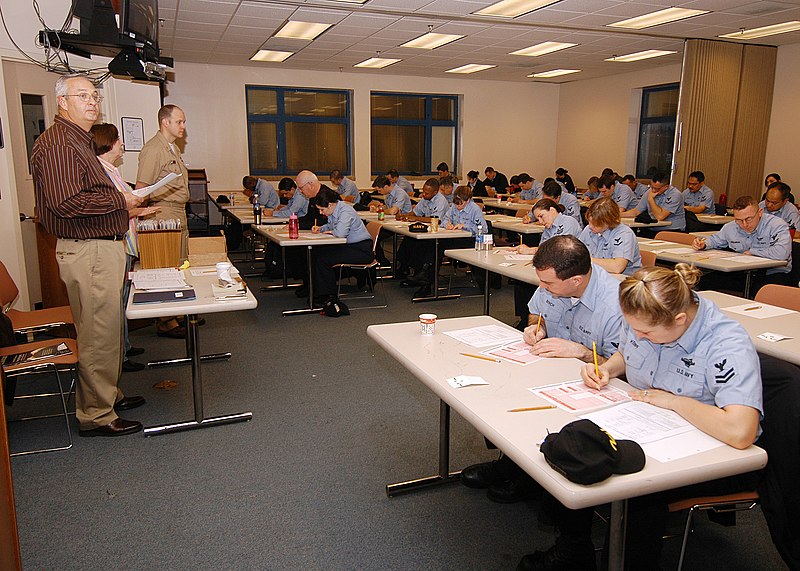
(594, 376)
(534, 333)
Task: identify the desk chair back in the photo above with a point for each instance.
(30, 322)
(370, 269)
(787, 297)
(8, 289)
(648, 258)
(677, 237)
(374, 229)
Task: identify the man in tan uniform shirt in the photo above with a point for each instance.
(159, 157)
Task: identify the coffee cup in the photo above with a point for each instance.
(427, 323)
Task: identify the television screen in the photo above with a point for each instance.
(140, 20)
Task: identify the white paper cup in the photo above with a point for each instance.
(224, 271)
(427, 323)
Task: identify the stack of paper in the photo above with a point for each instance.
(236, 290)
(163, 279)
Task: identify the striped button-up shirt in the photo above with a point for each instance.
(75, 198)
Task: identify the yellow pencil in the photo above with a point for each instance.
(482, 357)
(527, 408)
(538, 323)
(594, 352)
(752, 308)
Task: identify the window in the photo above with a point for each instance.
(657, 129)
(413, 133)
(291, 129)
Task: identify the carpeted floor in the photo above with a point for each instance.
(301, 486)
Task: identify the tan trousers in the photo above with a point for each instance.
(93, 271)
(176, 211)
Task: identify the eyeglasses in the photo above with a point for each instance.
(86, 97)
(743, 221)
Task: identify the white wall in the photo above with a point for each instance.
(784, 125)
(598, 121)
(509, 126)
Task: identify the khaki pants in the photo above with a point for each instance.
(175, 211)
(93, 271)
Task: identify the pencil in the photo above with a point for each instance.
(538, 323)
(527, 408)
(752, 308)
(482, 357)
(594, 352)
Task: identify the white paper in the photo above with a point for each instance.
(465, 381)
(519, 257)
(148, 190)
(681, 446)
(505, 264)
(758, 310)
(681, 251)
(640, 422)
(576, 397)
(772, 337)
(485, 336)
(164, 279)
(654, 242)
(209, 271)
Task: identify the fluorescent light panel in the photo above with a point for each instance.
(657, 18)
(301, 30)
(377, 62)
(513, 8)
(542, 49)
(270, 55)
(470, 68)
(772, 30)
(647, 54)
(554, 73)
(431, 41)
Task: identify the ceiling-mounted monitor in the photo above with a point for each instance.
(138, 19)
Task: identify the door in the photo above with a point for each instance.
(31, 108)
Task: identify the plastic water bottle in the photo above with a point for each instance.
(294, 227)
(256, 212)
(231, 198)
(479, 238)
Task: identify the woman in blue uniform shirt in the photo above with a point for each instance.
(613, 245)
(343, 222)
(681, 353)
(555, 222)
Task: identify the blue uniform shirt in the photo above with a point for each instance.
(589, 195)
(595, 316)
(788, 212)
(617, 242)
(345, 223)
(399, 198)
(713, 362)
(672, 200)
(471, 217)
(571, 207)
(535, 192)
(403, 183)
(640, 189)
(563, 224)
(623, 196)
(703, 197)
(436, 206)
(348, 188)
(770, 239)
(267, 197)
(297, 204)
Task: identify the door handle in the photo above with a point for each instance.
(23, 217)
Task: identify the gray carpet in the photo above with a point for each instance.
(302, 485)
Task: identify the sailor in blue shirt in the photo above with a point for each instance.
(592, 191)
(346, 188)
(618, 192)
(400, 181)
(396, 201)
(414, 253)
(267, 196)
(753, 233)
(637, 187)
(298, 204)
(613, 245)
(464, 214)
(697, 197)
(530, 189)
(446, 187)
(343, 222)
(578, 302)
(663, 202)
(776, 202)
(432, 203)
(570, 203)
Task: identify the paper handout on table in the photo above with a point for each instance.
(519, 257)
(518, 352)
(465, 381)
(744, 259)
(758, 310)
(161, 279)
(681, 251)
(148, 190)
(575, 396)
(485, 336)
(772, 337)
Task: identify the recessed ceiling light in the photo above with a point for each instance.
(270, 55)
(377, 62)
(513, 8)
(470, 68)
(541, 49)
(431, 41)
(647, 54)
(792, 26)
(301, 30)
(554, 73)
(657, 18)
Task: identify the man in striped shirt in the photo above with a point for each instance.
(78, 203)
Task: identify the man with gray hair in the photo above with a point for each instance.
(79, 204)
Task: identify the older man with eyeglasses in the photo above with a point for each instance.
(78, 203)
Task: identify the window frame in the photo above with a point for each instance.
(280, 119)
(641, 171)
(428, 123)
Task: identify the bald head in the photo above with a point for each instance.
(308, 183)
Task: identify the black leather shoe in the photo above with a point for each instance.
(483, 475)
(424, 291)
(513, 491)
(117, 427)
(129, 366)
(129, 402)
(134, 351)
(577, 556)
(174, 333)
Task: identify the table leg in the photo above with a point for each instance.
(486, 292)
(310, 308)
(616, 537)
(188, 358)
(444, 476)
(748, 280)
(193, 346)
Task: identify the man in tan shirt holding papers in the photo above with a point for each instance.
(159, 157)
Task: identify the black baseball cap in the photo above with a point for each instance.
(584, 453)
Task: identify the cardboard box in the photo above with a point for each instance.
(207, 251)
(159, 248)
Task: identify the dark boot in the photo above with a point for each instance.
(483, 475)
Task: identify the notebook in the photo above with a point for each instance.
(164, 296)
(36, 354)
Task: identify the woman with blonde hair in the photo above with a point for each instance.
(681, 353)
(613, 245)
